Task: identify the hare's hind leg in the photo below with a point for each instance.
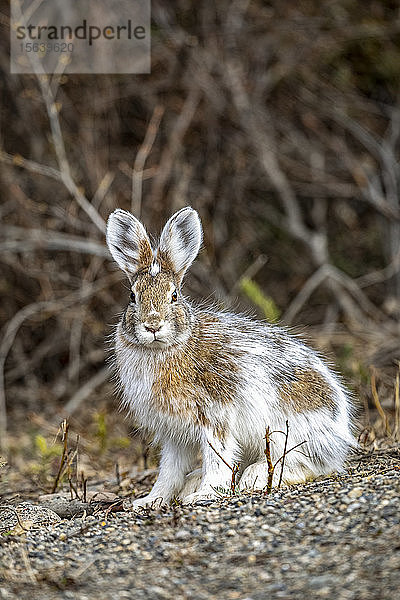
(256, 476)
(191, 485)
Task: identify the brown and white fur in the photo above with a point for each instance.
(196, 376)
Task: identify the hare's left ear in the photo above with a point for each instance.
(128, 242)
(180, 242)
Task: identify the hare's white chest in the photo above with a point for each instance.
(136, 378)
(139, 373)
(174, 411)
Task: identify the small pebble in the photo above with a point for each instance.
(355, 492)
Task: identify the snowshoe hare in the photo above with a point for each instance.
(209, 382)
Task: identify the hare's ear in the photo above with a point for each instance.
(128, 242)
(180, 242)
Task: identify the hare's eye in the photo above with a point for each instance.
(174, 296)
(132, 298)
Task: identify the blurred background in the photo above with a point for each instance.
(280, 123)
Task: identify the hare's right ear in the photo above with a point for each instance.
(180, 241)
(128, 242)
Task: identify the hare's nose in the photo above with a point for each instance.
(153, 329)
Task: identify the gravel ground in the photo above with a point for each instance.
(335, 538)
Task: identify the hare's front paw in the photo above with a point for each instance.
(147, 502)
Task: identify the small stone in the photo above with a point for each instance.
(263, 576)
(355, 492)
(182, 534)
(321, 581)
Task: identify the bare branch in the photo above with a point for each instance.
(17, 160)
(377, 402)
(316, 279)
(271, 466)
(141, 157)
(251, 271)
(102, 189)
(380, 275)
(85, 390)
(396, 431)
(169, 153)
(234, 469)
(284, 453)
(26, 240)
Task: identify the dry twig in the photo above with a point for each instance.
(396, 430)
(140, 160)
(271, 466)
(64, 427)
(377, 402)
(234, 469)
(284, 453)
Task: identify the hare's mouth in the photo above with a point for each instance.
(153, 340)
(140, 340)
(156, 343)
